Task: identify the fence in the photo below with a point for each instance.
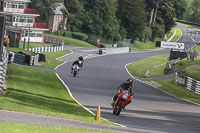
(3, 67)
(192, 85)
(47, 49)
(189, 83)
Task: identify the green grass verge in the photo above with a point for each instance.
(168, 85)
(153, 66)
(171, 32)
(144, 45)
(51, 61)
(6, 127)
(71, 41)
(191, 68)
(33, 45)
(197, 47)
(177, 35)
(20, 50)
(41, 92)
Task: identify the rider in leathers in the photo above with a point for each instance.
(124, 86)
(76, 62)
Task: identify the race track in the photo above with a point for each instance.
(151, 110)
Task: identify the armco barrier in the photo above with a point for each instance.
(47, 49)
(118, 50)
(3, 67)
(189, 83)
(192, 85)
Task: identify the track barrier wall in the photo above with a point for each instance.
(118, 50)
(3, 67)
(189, 83)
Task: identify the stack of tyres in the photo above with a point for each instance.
(19, 58)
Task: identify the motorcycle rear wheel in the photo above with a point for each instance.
(74, 74)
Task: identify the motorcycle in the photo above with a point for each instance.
(123, 98)
(75, 70)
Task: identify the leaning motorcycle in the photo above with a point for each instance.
(75, 70)
(123, 98)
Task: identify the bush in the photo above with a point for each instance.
(68, 34)
(80, 36)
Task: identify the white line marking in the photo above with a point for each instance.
(61, 60)
(81, 104)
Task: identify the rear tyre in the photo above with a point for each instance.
(119, 109)
(74, 73)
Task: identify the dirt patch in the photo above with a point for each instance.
(2, 93)
(147, 73)
(159, 65)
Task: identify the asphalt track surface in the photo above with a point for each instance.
(151, 110)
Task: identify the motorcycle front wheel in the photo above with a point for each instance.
(119, 109)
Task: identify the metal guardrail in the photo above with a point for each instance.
(20, 58)
(3, 67)
(192, 85)
(189, 83)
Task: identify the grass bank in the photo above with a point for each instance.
(154, 66)
(170, 33)
(33, 45)
(191, 68)
(51, 61)
(177, 35)
(168, 85)
(149, 67)
(41, 92)
(72, 41)
(20, 50)
(6, 127)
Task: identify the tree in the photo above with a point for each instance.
(194, 14)
(45, 8)
(101, 19)
(132, 16)
(163, 14)
(76, 16)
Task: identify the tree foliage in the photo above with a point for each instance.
(193, 11)
(117, 19)
(132, 16)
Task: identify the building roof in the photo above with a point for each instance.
(18, 14)
(25, 28)
(57, 10)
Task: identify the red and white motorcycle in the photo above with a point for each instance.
(122, 100)
(75, 70)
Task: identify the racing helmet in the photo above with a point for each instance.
(129, 81)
